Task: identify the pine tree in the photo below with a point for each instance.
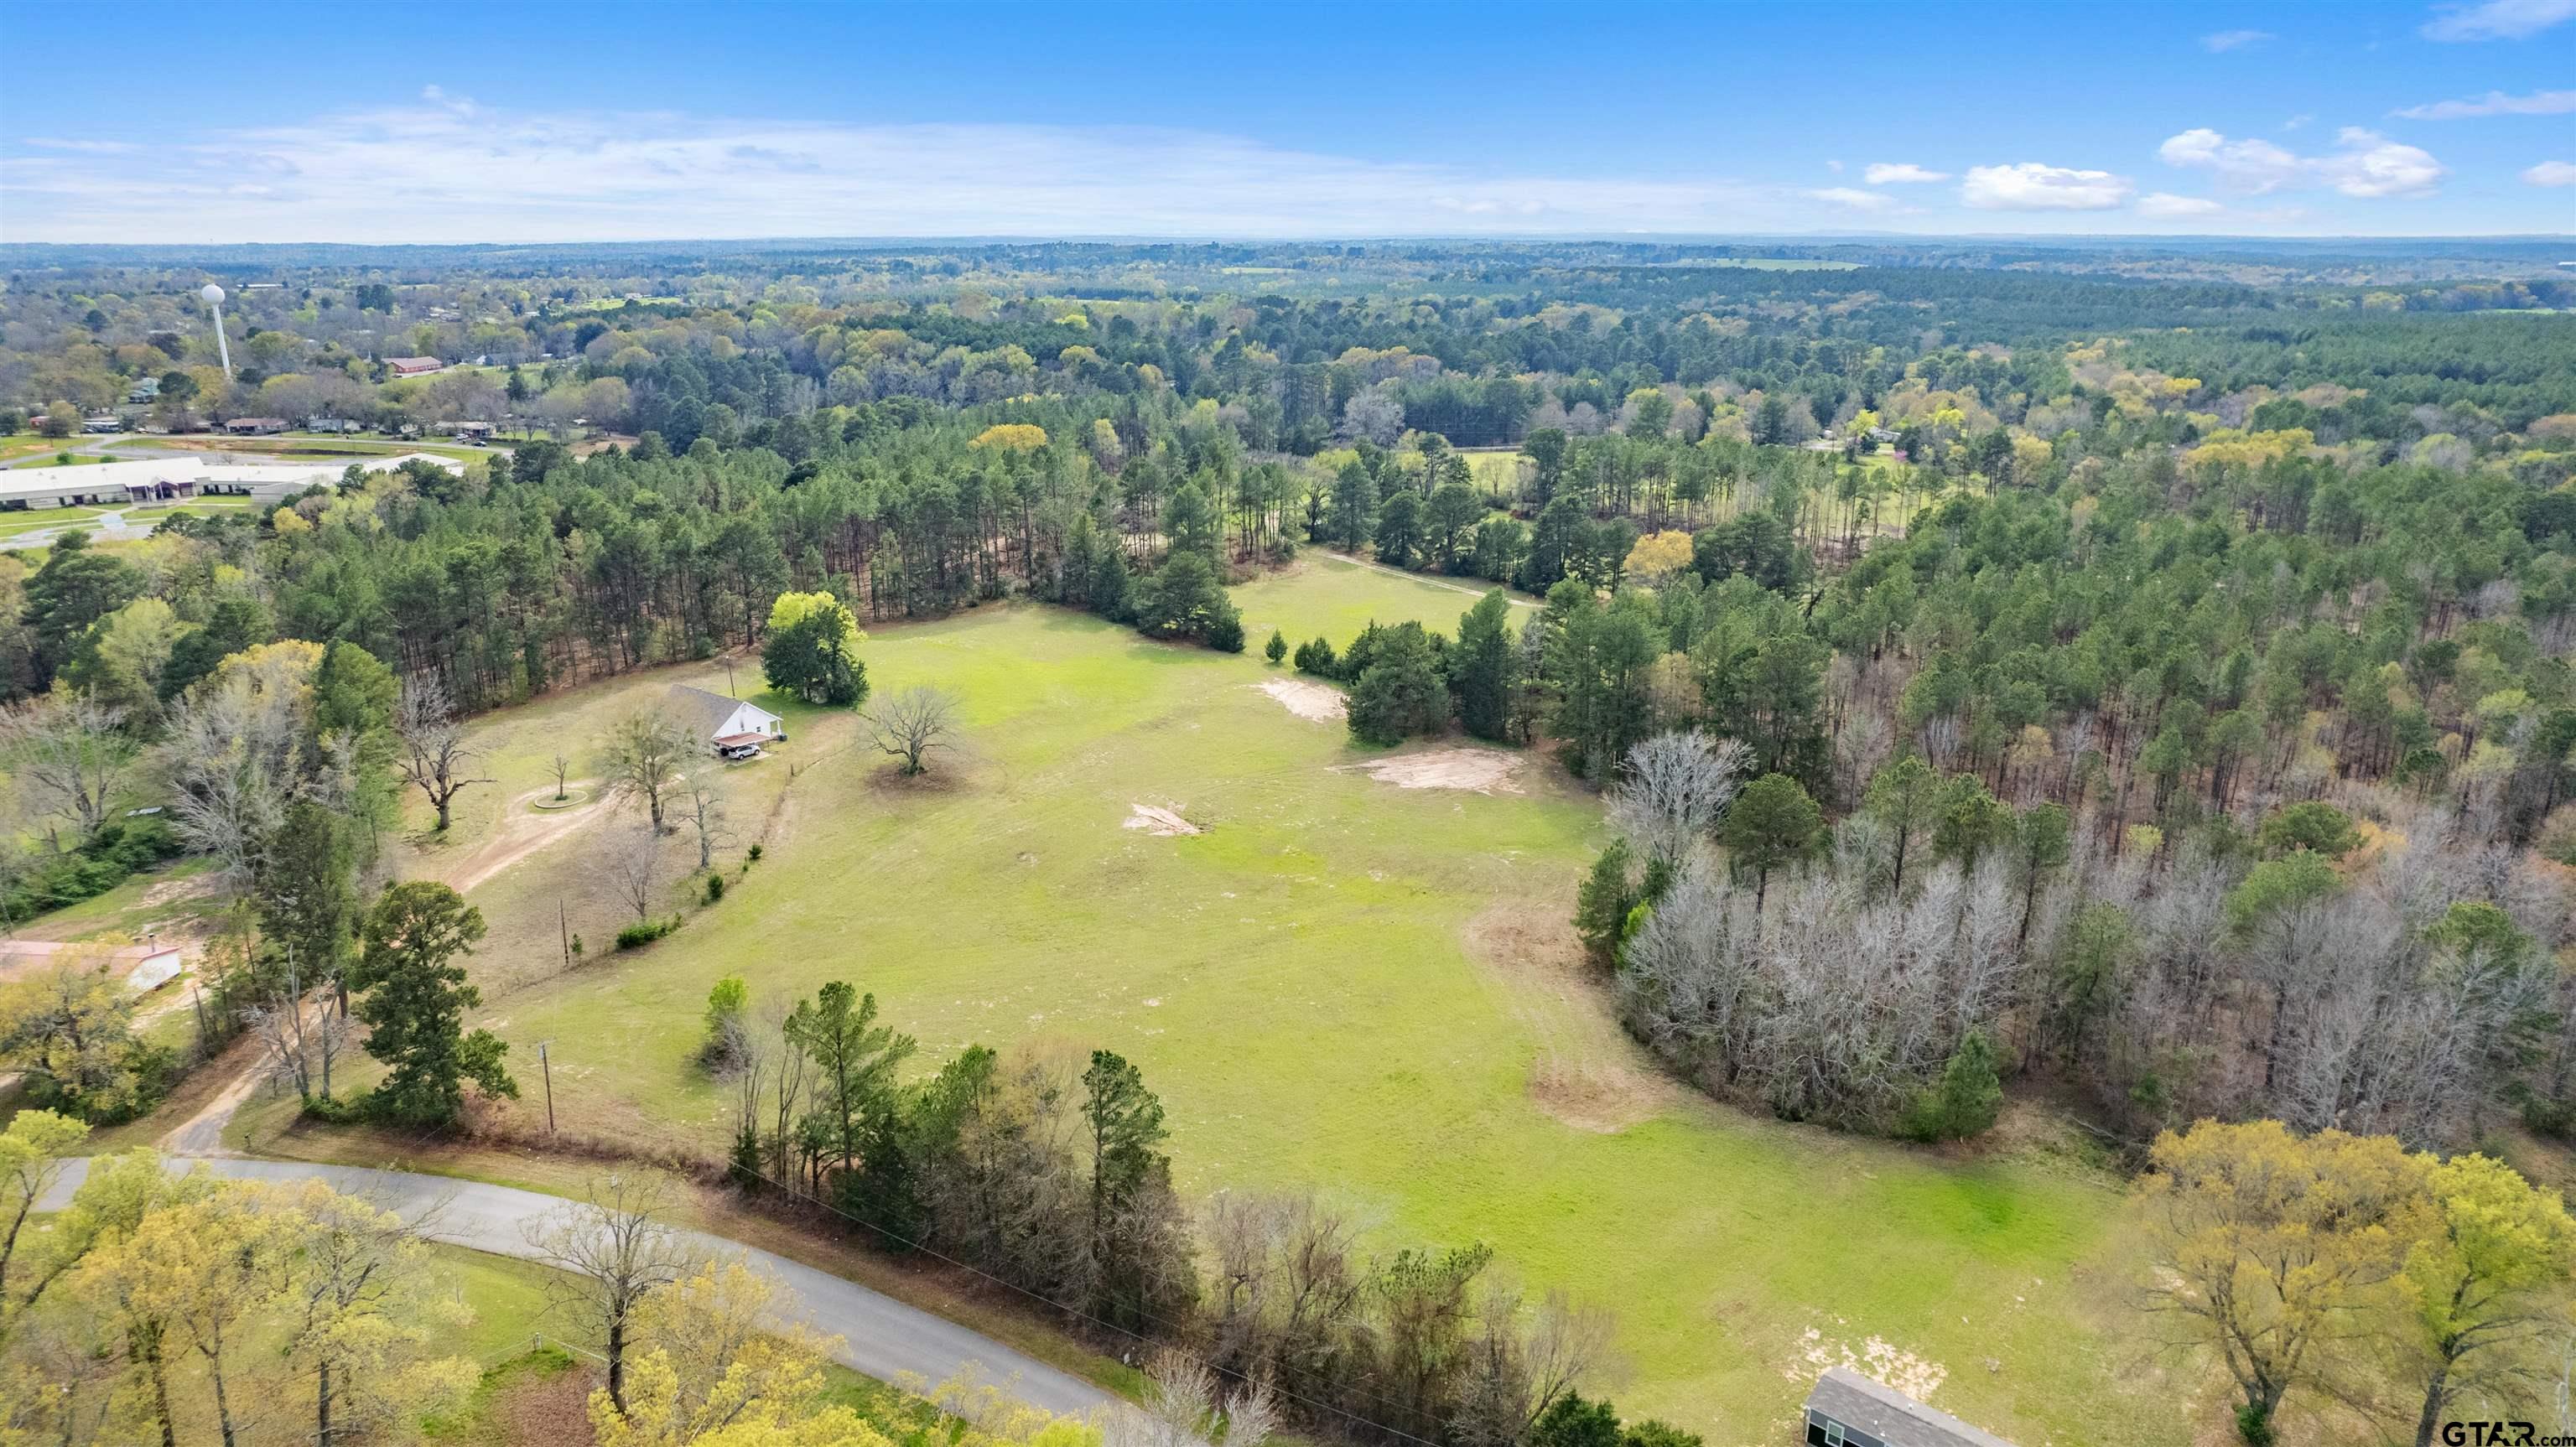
(1967, 1098)
(1601, 906)
(1482, 667)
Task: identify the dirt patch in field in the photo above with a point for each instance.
(1604, 1097)
(1157, 820)
(1314, 702)
(171, 891)
(1875, 1358)
(1587, 1073)
(1481, 771)
(519, 833)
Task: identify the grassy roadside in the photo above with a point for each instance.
(271, 1128)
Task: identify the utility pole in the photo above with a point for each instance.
(547, 1067)
(563, 928)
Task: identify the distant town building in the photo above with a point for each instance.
(102, 422)
(413, 366)
(1850, 1410)
(145, 389)
(164, 479)
(255, 426)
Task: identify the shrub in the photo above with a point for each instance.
(725, 1005)
(2553, 1118)
(116, 852)
(1276, 648)
(715, 888)
(645, 931)
(752, 855)
(1225, 632)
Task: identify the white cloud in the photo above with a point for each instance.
(2371, 165)
(1900, 173)
(2166, 206)
(2296, 121)
(2552, 173)
(2226, 40)
(440, 168)
(101, 148)
(2494, 103)
(2497, 19)
(1854, 198)
(2250, 166)
(2030, 186)
(2367, 164)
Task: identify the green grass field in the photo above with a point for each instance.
(1341, 983)
(33, 520)
(28, 444)
(295, 446)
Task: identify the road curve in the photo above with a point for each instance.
(880, 1336)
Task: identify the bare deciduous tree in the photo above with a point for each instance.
(614, 1249)
(1674, 789)
(65, 753)
(913, 723)
(642, 758)
(701, 803)
(435, 756)
(231, 755)
(561, 764)
(634, 865)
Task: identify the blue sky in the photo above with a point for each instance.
(553, 122)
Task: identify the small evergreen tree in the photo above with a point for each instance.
(1276, 648)
(414, 1002)
(1601, 906)
(1968, 1097)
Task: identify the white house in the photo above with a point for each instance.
(729, 726)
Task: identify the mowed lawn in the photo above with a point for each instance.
(1341, 984)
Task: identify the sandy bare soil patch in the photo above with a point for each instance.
(1482, 771)
(1877, 1358)
(1154, 819)
(171, 891)
(1315, 702)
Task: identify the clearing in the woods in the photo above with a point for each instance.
(1355, 974)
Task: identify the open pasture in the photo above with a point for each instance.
(1340, 980)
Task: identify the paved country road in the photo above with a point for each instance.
(879, 1335)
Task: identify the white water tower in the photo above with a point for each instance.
(214, 296)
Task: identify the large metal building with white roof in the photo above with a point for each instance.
(127, 482)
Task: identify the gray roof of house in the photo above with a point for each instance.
(1891, 1416)
(701, 710)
